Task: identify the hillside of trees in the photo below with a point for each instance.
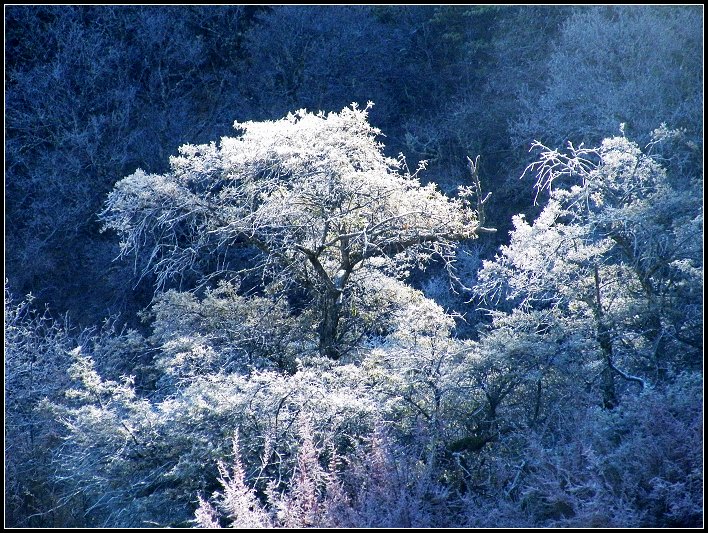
(353, 266)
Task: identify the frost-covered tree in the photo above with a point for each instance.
(310, 198)
(619, 64)
(38, 373)
(36, 360)
(303, 226)
(613, 265)
(596, 326)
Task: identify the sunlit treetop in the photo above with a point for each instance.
(309, 188)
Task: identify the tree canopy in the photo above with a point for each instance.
(312, 195)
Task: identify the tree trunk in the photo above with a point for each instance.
(330, 307)
(656, 336)
(609, 395)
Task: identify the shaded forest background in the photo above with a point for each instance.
(94, 93)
